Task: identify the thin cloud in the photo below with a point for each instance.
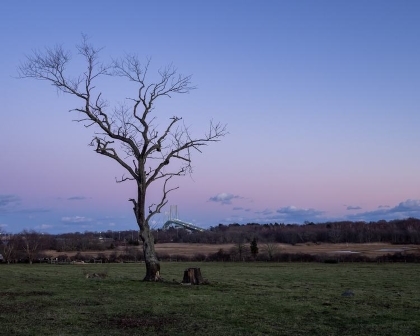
(237, 208)
(12, 204)
(224, 198)
(32, 211)
(44, 227)
(8, 202)
(350, 207)
(234, 219)
(77, 198)
(265, 212)
(294, 214)
(76, 219)
(288, 214)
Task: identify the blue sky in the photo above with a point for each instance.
(321, 99)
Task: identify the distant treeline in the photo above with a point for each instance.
(405, 231)
(28, 245)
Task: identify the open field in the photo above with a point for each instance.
(242, 299)
(374, 249)
(370, 250)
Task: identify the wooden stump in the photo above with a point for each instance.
(193, 276)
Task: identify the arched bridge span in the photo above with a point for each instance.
(182, 224)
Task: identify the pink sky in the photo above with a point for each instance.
(321, 102)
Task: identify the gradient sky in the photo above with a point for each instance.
(321, 99)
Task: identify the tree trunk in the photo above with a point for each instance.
(150, 258)
(193, 276)
(152, 271)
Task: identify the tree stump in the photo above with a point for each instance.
(193, 276)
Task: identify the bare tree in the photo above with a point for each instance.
(128, 133)
(8, 247)
(271, 249)
(31, 244)
(239, 249)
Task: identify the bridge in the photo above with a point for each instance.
(173, 220)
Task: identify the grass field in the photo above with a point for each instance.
(242, 299)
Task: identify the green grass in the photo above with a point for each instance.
(242, 299)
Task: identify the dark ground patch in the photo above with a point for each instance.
(155, 322)
(25, 294)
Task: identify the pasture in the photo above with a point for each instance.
(241, 299)
(371, 250)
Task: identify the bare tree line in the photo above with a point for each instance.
(28, 245)
(406, 231)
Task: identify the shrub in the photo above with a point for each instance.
(199, 257)
(113, 257)
(220, 255)
(163, 256)
(180, 257)
(331, 261)
(63, 258)
(80, 257)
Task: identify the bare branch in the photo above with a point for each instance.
(123, 179)
(102, 148)
(156, 208)
(182, 145)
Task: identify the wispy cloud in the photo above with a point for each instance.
(299, 214)
(351, 207)
(265, 212)
(289, 214)
(44, 227)
(76, 219)
(224, 198)
(31, 211)
(77, 198)
(9, 203)
(13, 204)
(237, 208)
